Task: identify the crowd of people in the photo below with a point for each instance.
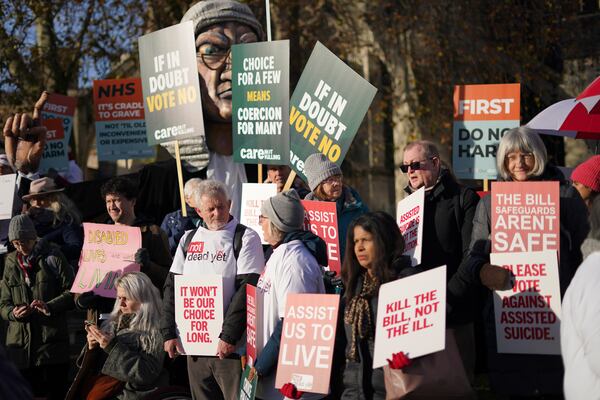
(132, 350)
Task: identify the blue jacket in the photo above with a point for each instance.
(175, 224)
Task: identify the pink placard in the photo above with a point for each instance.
(321, 219)
(108, 252)
(307, 341)
(525, 216)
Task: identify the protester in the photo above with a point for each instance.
(154, 257)
(175, 224)
(55, 217)
(242, 262)
(374, 258)
(447, 226)
(292, 268)
(522, 157)
(34, 298)
(123, 358)
(586, 179)
(279, 174)
(579, 339)
(326, 183)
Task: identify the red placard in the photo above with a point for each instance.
(118, 99)
(55, 129)
(321, 219)
(60, 104)
(525, 216)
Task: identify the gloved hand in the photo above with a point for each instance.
(333, 283)
(289, 390)
(87, 300)
(399, 361)
(142, 256)
(495, 277)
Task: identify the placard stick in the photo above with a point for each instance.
(268, 12)
(180, 179)
(290, 180)
(486, 185)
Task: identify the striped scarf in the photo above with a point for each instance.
(358, 315)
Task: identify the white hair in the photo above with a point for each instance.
(191, 187)
(146, 321)
(524, 140)
(211, 189)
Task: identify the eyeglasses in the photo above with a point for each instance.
(215, 60)
(261, 218)
(333, 179)
(415, 165)
(514, 157)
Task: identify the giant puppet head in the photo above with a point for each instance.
(218, 24)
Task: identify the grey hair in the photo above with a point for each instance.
(595, 219)
(210, 188)
(430, 148)
(146, 322)
(276, 233)
(524, 140)
(191, 187)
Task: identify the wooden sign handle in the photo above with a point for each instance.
(180, 179)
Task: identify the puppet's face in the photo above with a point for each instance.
(213, 59)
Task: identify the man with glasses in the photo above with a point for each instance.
(448, 221)
(218, 25)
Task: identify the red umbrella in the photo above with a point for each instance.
(578, 117)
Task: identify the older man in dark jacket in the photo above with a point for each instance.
(447, 226)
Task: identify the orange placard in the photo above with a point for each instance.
(118, 99)
(487, 102)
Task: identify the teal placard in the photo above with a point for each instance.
(247, 387)
(260, 84)
(474, 147)
(326, 109)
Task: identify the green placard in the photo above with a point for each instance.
(260, 82)
(247, 387)
(326, 108)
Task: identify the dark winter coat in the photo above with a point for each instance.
(68, 236)
(516, 374)
(175, 224)
(448, 222)
(38, 339)
(349, 207)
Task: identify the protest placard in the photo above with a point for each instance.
(326, 108)
(411, 316)
(56, 148)
(247, 386)
(307, 340)
(108, 252)
(172, 104)
(320, 217)
(7, 188)
(253, 195)
(254, 324)
(482, 115)
(528, 315)
(525, 216)
(261, 92)
(409, 216)
(120, 124)
(199, 312)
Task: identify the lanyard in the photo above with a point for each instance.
(25, 266)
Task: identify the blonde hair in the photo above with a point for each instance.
(64, 209)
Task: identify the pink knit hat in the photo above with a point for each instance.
(588, 173)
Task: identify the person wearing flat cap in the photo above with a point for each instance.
(294, 267)
(55, 217)
(34, 298)
(218, 25)
(326, 183)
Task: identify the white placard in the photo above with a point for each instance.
(7, 188)
(411, 316)
(528, 316)
(409, 216)
(199, 312)
(253, 194)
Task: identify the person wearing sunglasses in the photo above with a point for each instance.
(447, 225)
(326, 183)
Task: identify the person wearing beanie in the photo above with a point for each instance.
(218, 25)
(293, 267)
(34, 297)
(221, 246)
(326, 183)
(586, 179)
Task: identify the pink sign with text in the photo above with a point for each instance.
(321, 219)
(108, 252)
